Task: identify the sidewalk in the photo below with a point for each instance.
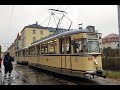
(15, 79)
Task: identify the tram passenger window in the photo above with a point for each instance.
(52, 47)
(68, 45)
(77, 45)
(19, 53)
(28, 51)
(32, 51)
(38, 50)
(60, 47)
(46, 50)
(51, 50)
(63, 48)
(42, 50)
(23, 53)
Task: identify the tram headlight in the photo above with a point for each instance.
(96, 62)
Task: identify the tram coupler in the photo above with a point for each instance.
(100, 73)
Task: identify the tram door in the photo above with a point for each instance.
(65, 52)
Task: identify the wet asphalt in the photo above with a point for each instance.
(24, 75)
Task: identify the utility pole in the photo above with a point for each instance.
(118, 7)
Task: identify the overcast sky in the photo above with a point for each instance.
(14, 18)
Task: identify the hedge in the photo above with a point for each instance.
(111, 63)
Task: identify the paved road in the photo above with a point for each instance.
(38, 78)
(23, 75)
(15, 78)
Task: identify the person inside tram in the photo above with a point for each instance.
(77, 46)
(7, 62)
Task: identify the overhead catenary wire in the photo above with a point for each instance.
(45, 19)
(59, 7)
(66, 8)
(10, 22)
(11, 16)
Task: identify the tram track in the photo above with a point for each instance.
(60, 79)
(24, 78)
(37, 76)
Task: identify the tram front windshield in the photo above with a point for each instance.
(93, 46)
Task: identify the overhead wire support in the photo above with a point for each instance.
(52, 12)
(70, 23)
(54, 19)
(55, 10)
(49, 20)
(59, 22)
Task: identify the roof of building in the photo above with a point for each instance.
(111, 35)
(111, 38)
(51, 29)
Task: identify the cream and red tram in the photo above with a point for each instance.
(75, 53)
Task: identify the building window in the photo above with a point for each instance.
(34, 32)
(41, 32)
(34, 39)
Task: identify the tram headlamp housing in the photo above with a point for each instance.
(96, 62)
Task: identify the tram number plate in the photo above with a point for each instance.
(90, 58)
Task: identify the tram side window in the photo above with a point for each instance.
(19, 53)
(77, 46)
(62, 41)
(38, 49)
(44, 48)
(52, 47)
(16, 54)
(23, 52)
(33, 51)
(68, 45)
(63, 49)
(28, 51)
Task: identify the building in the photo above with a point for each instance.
(11, 49)
(17, 42)
(110, 40)
(34, 32)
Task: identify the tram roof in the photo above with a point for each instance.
(62, 33)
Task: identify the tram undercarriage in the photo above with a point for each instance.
(68, 72)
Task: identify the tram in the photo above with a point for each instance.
(74, 53)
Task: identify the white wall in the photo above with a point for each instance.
(113, 45)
